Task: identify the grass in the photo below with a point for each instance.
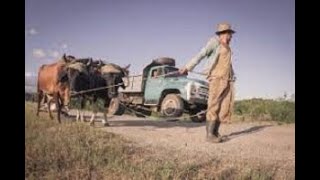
(244, 110)
(77, 151)
(265, 110)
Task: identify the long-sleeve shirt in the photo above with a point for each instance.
(219, 59)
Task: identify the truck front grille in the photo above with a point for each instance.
(203, 92)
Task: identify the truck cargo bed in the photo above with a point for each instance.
(134, 85)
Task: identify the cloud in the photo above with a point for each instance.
(64, 46)
(28, 74)
(31, 32)
(54, 54)
(39, 53)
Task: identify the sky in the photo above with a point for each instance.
(137, 31)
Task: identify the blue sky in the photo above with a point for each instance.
(136, 31)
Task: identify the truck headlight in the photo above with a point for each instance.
(190, 90)
(193, 89)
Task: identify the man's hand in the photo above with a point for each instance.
(233, 79)
(183, 71)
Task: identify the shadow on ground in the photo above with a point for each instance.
(168, 123)
(250, 130)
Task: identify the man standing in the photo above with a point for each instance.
(220, 75)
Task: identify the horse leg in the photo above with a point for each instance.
(57, 106)
(94, 111)
(93, 116)
(40, 96)
(64, 109)
(78, 115)
(82, 118)
(49, 108)
(105, 119)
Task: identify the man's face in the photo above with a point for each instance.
(225, 37)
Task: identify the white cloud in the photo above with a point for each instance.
(39, 53)
(54, 54)
(64, 46)
(31, 32)
(28, 74)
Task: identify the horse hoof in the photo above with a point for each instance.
(106, 124)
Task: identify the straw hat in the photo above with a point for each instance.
(224, 27)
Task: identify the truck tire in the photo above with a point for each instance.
(115, 107)
(165, 61)
(172, 106)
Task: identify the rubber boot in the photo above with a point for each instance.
(211, 137)
(216, 129)
(216, 132)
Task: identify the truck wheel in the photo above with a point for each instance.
(198, 118)
(165, 60)
(172, 106)
(115, 107)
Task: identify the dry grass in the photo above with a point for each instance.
(77, 151)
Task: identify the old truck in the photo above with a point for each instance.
(160, 88)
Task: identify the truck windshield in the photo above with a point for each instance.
(172, 72)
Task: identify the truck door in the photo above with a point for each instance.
(154, 86)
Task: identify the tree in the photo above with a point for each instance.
(292, 97)
(285, 95)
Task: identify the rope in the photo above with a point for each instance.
(119, 84)
(94, 89)
(173, 72)
(137, 112)
(107, 87)
(177, 118)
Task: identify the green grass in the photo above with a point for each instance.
(264, 109)
(244, 110)
(77, 151)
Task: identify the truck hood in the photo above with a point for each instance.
(185, 80)
(205, 83)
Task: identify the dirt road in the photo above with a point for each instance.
(255, 143)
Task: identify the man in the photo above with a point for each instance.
(220, 75)
(155, 73)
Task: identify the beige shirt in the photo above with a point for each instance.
(219, 60)
(222, 67)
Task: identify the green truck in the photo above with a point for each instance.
(162, 89)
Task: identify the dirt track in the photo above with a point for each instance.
(250, 143)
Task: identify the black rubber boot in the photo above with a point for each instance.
(216, 132)
(216, 129)
(211, 137)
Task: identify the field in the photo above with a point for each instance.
(136, 148)
(255, 109)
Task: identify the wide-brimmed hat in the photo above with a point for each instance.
(224, 27)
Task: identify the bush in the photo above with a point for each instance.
(262, 109)
(30, 97)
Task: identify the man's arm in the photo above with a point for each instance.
(211, 45)
(232, 75)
